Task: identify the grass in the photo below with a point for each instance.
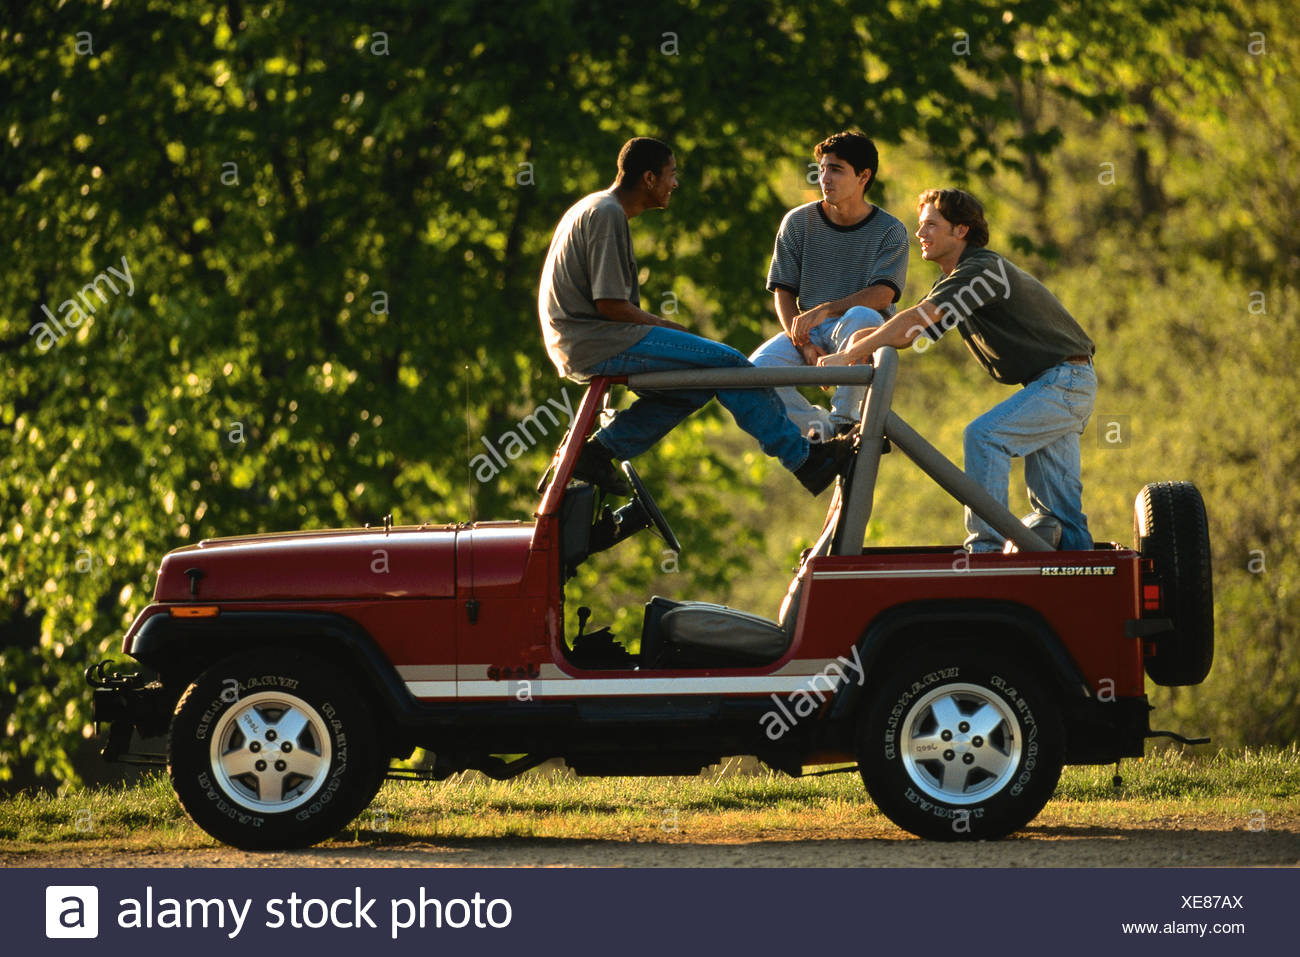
(719, 805)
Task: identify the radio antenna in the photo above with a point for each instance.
(469, 458)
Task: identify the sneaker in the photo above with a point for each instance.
(850, 429)
(820, 432)
(596, 466)
(825, 461)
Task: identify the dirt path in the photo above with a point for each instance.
(1199, 841)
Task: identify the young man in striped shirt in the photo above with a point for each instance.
(838, 267)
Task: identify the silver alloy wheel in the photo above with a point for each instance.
(960, 744)
(271, 752)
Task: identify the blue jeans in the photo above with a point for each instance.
(654, 414)
(1041, 424)
(832, 335)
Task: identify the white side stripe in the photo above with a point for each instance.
(432, 689)
(611, 687)
(426, 672)
(930, 573)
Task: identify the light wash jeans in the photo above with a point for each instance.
(831, 336)
(1041, 424)
(654, 414)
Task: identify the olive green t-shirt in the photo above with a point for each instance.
(590, 258)
(1012, 324)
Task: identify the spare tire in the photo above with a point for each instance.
(1170, 529)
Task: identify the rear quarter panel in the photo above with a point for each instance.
(1085, 598)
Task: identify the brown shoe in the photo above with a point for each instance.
(596, 466)
(825, 461)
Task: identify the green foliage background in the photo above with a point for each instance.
(335, 216)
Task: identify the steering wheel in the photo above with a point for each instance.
(642, 497)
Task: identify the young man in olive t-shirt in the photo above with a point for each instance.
(1022, 335)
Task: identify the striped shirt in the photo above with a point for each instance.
(820, 262)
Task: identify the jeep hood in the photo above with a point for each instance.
(358, 563)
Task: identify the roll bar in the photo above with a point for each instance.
(878, 422)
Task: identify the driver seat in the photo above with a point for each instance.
(704, 634)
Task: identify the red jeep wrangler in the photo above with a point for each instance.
(289, 670)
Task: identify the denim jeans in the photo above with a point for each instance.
(654, 414)
(1041, 424)
(830, 336)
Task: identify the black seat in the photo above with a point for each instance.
(703, 634)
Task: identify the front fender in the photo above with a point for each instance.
(179, 649)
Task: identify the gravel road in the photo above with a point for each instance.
(1201, 841)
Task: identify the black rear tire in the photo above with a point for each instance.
(272, 749)
(961, 745)
(1171, 529)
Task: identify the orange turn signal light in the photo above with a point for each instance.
(194, 611)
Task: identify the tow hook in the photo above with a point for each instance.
(100, 675)
(1176, 736)
(127, 701)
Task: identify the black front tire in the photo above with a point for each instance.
(272, 749)
(961, 745)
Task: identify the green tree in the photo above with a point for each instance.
(333, 220)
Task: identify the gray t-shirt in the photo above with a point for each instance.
(590, 258)
(820, 262)
(1013, 325)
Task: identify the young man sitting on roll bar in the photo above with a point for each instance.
(593, 323)
(838, 266)
(1022, 335)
